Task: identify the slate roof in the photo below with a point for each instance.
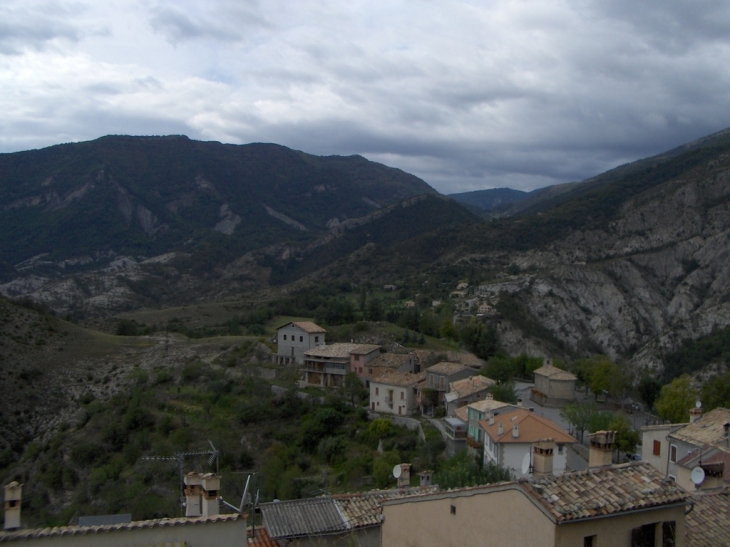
(401, 379)
(708, 429)
(555, 373)
(603, 491)
(22, 535)
(330, 515)
(531, 426)
(340, 350)
(307, 326)
(708, 524)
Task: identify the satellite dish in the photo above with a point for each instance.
(397, 471)
(526, 464)
(697, 476)
(698, 404)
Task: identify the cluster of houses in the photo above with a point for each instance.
(678, 495)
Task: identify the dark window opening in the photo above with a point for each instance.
(669, 534)
(643, 536)
(589, 541)
(453, 509)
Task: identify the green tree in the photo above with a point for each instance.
(716, 392)
(504, 392)
(676, 399)
(383, 469)
(463, 470)
(626, 437)
(579, 417)
(649, 389)
(355, 388)
(601, 375)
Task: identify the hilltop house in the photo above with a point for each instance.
(438, 378)
(395, 392)
(465, 391)
(626, 505)
(508, 438)
(327, 366)
(296, 337)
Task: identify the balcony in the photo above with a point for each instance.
(474, 443)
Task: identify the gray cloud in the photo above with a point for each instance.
(466, 96)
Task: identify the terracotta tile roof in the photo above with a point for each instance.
(390, 360)
(341, 350)
(708, 429)
(531, 426)
(488, 405)
(470, 386)
(261, 539)
(401, 379)
(446, 368)
(715, 458)
(331, 514)
(306, 326)
(708, 524)
(462, 413)
(603, 491)
(465, 358)
(20, 535)
(555, 373)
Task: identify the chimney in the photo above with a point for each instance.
(542, 457)
(404, 481)
(491, 419)
(600, 448)
(695, 414)
(500, 428)
(13, 496)
(425, 477)
(515, 431)
(548, 362)
(519, 401)
(211, 487)
(193, 494)
(489, 397)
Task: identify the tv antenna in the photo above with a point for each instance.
(179, 457)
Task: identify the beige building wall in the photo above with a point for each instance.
(562, 389)
(650, 435)
(496, 519)
(213, 534)
(616, 531)
(389, 399)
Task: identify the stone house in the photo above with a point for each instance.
(626, 505)
(327, 366)
(395, 392)
(554, 387)
(438, 379)
(465, 391)
(296, 337)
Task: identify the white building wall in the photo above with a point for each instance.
(399, 407)
(293, 341)
(510, 455)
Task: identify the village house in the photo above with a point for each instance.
(400, 362)
(454, 432)
(476, 412)
(684, 445)
(625, 505)
(294, 338)
(361, 357)
(438, 379)
(395, 392)
(509, 438)
(410, 304)
(485, 309)
(465, 391)
(554, 387)
(327, 366)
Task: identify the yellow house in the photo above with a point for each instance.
(624, 505)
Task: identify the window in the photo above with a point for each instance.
(589, 541)
(316, 339)
(357, 357)
(285, 337)
(301, 338)
(669, 533)
(673, 453)
(453, 509)
(560, 451)
(643, 536)
(656, 448)
(402, 395)
(441, 381)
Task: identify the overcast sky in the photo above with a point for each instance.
(466, 95)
